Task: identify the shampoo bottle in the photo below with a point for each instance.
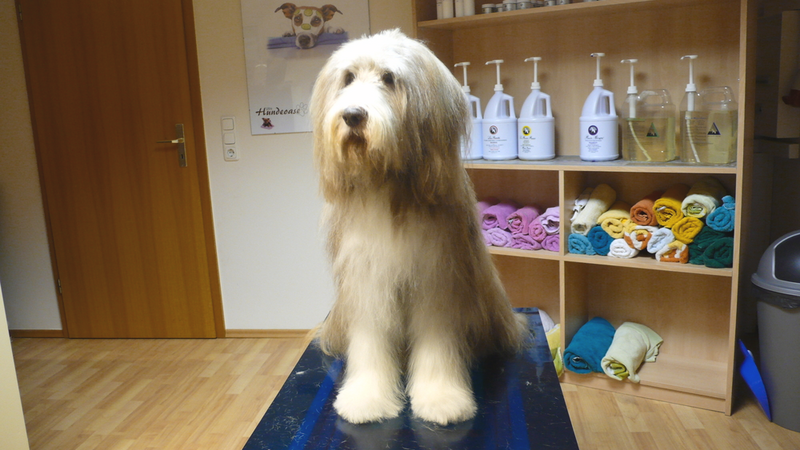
(598, 123)
(536, 127)
(499, 123)
(472, 148)
(648, 124)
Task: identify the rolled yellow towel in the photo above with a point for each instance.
(703, 198)
(602, 198)
(614, 220)
(686, 229)
(668, 207)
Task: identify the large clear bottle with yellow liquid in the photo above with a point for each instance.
(709, 122)
(647, 123)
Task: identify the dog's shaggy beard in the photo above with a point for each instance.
(416, 289)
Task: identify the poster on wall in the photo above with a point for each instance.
(286, 45)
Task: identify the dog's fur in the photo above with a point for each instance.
(417, 293)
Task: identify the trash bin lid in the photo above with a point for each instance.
(779, 267)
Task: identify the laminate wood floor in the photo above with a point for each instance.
(211, 394)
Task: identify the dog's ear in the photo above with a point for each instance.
(288, 9)
(328, 11)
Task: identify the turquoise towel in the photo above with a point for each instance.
(588, 347)
(722, 219)
(600, 240)
(579, 244)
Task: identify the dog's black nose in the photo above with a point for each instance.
(353, 116)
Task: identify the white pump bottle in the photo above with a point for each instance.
(536, 127)
(598, 123)
(472, 148)
(499, 123)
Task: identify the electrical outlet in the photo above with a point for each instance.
(231, 153)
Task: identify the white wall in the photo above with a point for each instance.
(273, 270)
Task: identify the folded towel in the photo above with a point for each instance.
(496, 216)
(603, 196)
(686, 229)
(600, 240)
(614, 220)
(580, 202)
(536, 230)
(639, 236)
(485, 203)
(519, 220)
(620, 249)
(554, 342)
(632, 345)
(659, 239)
(550, 219)
(524, 242)
(668, 207)
(499, 237)
(580, 245)
(547, 322)
(642, 211)
(675, 251)
(703, 198)
(719, 254)
(589, 345)
(722, 219)
(551, 242)
(701, 242)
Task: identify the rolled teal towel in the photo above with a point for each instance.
(588, 347)
(723, 218)
(600, 240)
(580, 245)
(701, 242)
(719, 254)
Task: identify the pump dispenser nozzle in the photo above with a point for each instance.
(598, 81)
(465, 87)
(497, 62)
(535, 59)
(632, 88)
(690, 87)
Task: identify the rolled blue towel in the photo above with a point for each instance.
(579, 244)
(722, 219)
(600, 240)
(589, 345)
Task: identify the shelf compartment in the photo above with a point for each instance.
(525, 291)
(583, 9)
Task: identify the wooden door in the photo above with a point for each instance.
(107, 80)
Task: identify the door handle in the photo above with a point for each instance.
(181, 141)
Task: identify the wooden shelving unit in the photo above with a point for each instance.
(694, 308)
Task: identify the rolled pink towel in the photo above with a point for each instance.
(485, 203)
(519, 220)
(524, 242)
(550, 220)
(499, 237)
(486, 238)
(551, 242)
(536, 230)
(496, 216)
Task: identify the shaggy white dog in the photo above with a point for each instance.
(417, 293)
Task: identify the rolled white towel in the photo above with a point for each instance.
(633, 344)
(659, 239)
(620, 249)
(603, 196)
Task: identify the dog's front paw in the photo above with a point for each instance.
(443, 404)
(366, 401)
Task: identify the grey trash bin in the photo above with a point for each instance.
(777, 282)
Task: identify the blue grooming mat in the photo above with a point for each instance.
(520, 407)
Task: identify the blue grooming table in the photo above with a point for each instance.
(520, 407)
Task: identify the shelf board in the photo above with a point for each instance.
(574, 163)
(648, 262)
(534, 254)
(549, 13)
(693, 381)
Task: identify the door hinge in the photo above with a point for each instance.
(59, 286)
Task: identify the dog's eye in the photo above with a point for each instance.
(349, 78)
(388, 78)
